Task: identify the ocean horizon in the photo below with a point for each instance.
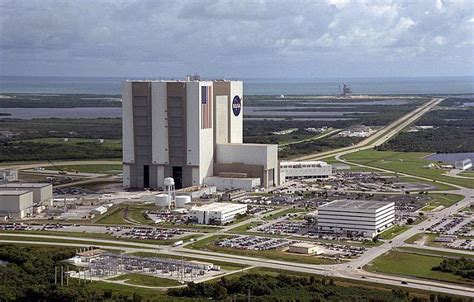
(252, 86)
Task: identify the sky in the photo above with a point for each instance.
(241, 38)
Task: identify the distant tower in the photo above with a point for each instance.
(346, 90)
(170, 190)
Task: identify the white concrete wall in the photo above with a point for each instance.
(126, 176)
(193, 127)
(252, 154)
(222, 119)
(206, 143)
(127, 123)
(236, 122)
(159, 123)
(228, 183)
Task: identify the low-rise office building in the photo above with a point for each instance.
(216, 213)
(304, 169)
(16, 204)
(356, 217)
(305, 248)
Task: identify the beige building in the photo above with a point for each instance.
(42, 192)
(305, 248)
(16, 204)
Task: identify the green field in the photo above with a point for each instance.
(146, 280)
(393, 231)
(108, 143)
(208, 244)
(444, 199)
(284, 213)
(405, 162)
(467, 173)
(413, 265)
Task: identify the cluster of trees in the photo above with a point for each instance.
(463, 267)
(28, 151)
(439, 140)
(453, 127)
(282, 287)
(28, 275)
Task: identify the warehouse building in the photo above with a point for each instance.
(16, 204)
(305, 248)
(190, 130)
(356, 217)
(464, 164)
(218, 213)
(304, 169)
(42, 192)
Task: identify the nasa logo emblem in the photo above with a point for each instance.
(236, 105)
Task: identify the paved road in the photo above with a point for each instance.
(380, 136)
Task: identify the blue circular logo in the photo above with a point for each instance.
(236, 105)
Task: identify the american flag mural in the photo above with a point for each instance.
(206, 107)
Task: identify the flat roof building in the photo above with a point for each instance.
(42, 192)
(464, 164)
(356, 217)
(188, 130)
(16, 203)
(216, 213)
(304, 169)
(305, 248)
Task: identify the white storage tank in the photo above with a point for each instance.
(162, 200)
(181, 200)
(169, 181)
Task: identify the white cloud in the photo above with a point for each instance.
(439, 40)
(228, 37)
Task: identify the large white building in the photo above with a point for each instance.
(16, 203)
(357, 217)
(189, 130)
(304, 169)
(464, 164)
(216, 213)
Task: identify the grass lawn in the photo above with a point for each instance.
(429, 237)
(283, 213)
(413, 265)
(109, 143)
(146, 280)
(467, 173)
(445, 200)
(245, 227)
(393, 231)
(405, 162)
(434, 253)
(208, 244)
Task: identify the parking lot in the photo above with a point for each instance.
(255, 243)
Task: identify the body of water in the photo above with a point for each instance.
(79, 112)
(450, 158)
(112, 85)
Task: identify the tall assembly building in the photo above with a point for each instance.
(192, 131)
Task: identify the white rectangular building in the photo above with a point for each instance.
(357, 217)
(182, 129)
(42, 192)
(464, 164)
(16, 203)
(218, 213)
(304, 169)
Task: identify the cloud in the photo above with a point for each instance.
(242, 38)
